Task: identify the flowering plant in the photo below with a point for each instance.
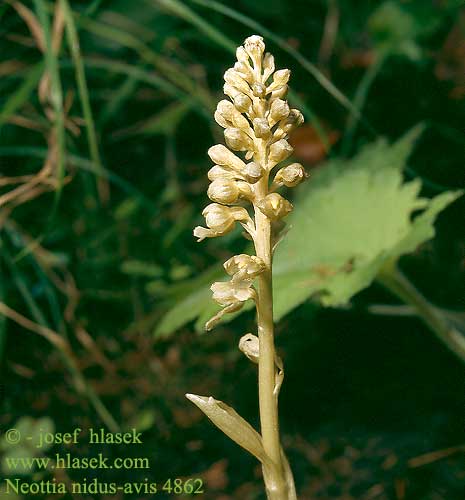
(257, 121)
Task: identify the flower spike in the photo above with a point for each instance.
(257, 121)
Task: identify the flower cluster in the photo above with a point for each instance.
(257, 122)
(232, 295)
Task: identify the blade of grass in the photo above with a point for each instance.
(360, 98)
(164, 122)
(182, 11)
(93, 8)
(83, 92)
(21, 95)
(63, 347)
(111, 108)
(176, 75)
(149, 78)
(56, 94)
(56, 101)
(397, 282)
(58, 341)
(23, 287)
(48, 290)
(87, 165)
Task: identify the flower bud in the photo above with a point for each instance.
(253, 172)
(280, 78)
(240, 121)
(250, 346)
(232, 77)
(218, 172)
(242, 103)
(221, 155)
(249, 266)
(241, 55)
(290, 176)
(230, 91)
(245, 191)
(268, 66)
(228, 292)
(245, 71)
(254, 46)
(261, 128)
(293, 120)
(274, 206)
(225, 108)
(295, 117)
(279, 151)
(218, 217)
(220, 220)
(223, 191)
(279, 109)
(279, 93)
(237, 140)
(258, 89)
(226, 115)
(221, 120)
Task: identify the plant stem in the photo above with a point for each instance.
(268, 402)
(395, 281)
(265, 331)
(266, 366)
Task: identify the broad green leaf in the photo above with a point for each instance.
(348, 222)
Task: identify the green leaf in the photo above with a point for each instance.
(348, 222)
